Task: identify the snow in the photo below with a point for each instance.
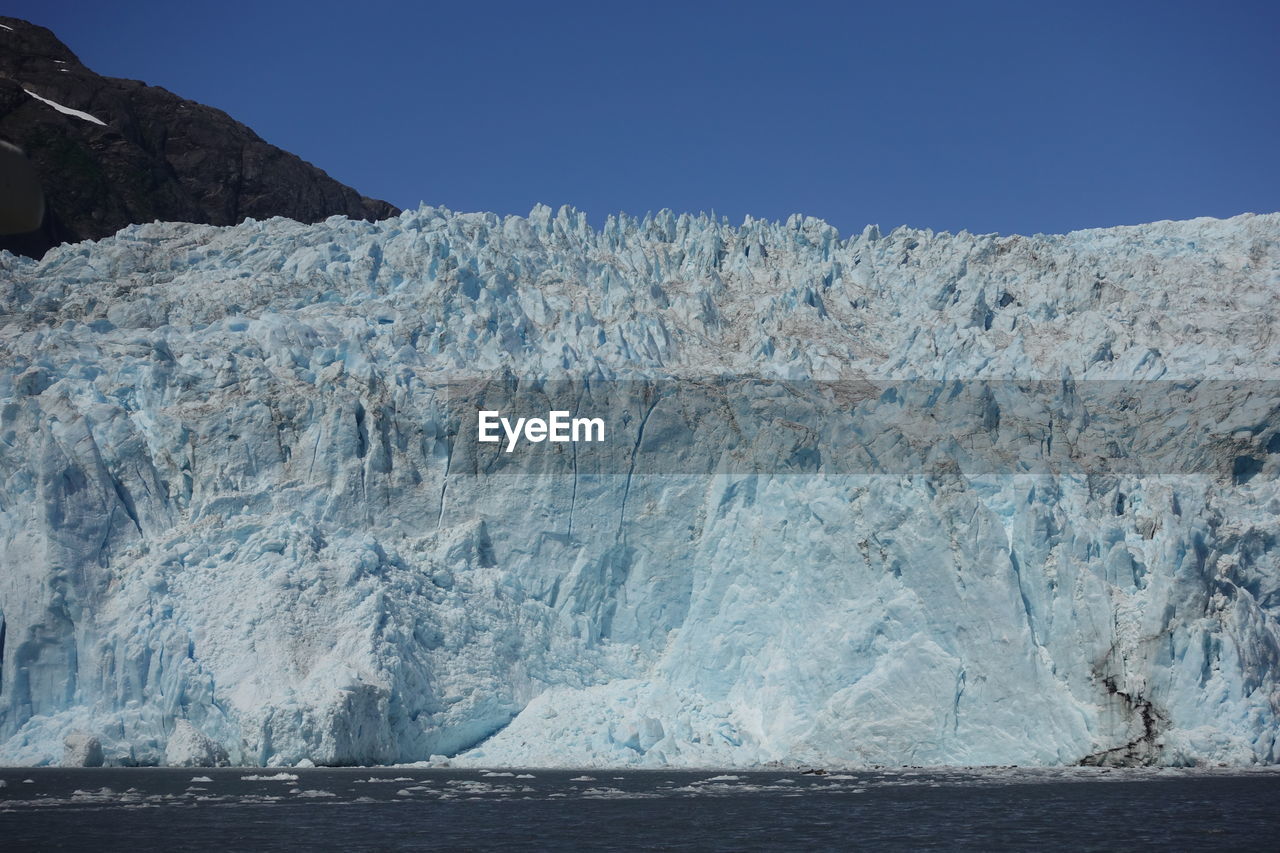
(7, 27)
(233, 492)
(66, 110)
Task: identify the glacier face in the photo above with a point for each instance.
(237, 520)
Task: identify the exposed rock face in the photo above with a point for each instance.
(149, 155)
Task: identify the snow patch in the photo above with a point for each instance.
(80, 114)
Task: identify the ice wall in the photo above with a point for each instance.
(235, 512)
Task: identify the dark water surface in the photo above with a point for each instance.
(446, 809)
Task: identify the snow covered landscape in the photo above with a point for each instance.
(241, 520)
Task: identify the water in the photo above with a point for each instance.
(413, 809)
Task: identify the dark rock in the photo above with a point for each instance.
(1144, 749)
(157, 156)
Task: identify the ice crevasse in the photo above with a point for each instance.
(238, 521)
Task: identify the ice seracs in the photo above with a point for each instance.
(188, 747)
(81, 750)
(236, 512)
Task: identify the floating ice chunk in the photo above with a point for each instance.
(275, 777)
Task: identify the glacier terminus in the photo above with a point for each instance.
(242, 519)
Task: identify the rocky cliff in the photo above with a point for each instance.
(113, 152)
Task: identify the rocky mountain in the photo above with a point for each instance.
(112, 152)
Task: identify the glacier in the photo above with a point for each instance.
(240, 522)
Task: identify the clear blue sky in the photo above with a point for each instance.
(992, 116)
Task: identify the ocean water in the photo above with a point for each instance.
(401, 808)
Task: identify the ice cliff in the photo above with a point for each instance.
(238, 520)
